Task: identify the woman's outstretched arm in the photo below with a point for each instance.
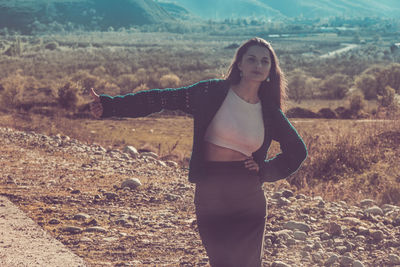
(143, 103)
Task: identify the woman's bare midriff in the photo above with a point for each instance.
(217, 153)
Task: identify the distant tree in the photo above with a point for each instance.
(373, 81)
(336, 86)
(296, 84)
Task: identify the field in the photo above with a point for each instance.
(44, 83)
(45, 86)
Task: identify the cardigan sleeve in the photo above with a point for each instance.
(293, 150)
(143, 103)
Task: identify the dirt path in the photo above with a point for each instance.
(24, 243)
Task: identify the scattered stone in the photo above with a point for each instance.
(72, 229)
(331, 260)
(374, 210)
(394, 259)
(172, 197)
(293, 225)
(287, 193)
(86, 240)
(132, 183)
(76, 191)
(149, 154)
(171, 164)
(377, 235)
(282, 201)
(54, 221)
(299, 235)
(358, 264)
(279, 264)
(111, 195)
(366, 203)
(96, 229)
(132, 151)
(81, 217)
(346, 261)
(334, 229)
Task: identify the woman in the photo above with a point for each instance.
(235, 120)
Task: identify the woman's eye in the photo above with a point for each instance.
(251, 59)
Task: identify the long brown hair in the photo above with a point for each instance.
(273, 91)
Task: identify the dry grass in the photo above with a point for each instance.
(348, 159)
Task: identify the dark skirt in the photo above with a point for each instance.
(231, 211)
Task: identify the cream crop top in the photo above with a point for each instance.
(238, 125)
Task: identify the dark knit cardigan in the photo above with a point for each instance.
(202, 100)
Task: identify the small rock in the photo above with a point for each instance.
(276, 195)
(377, 235)
(150, 154)
(76, 191)
(172, 197)
(97, 229)
(396, 221)
(110, 239)
(293, 225)
(111, 195)
(287, 193)
(317, 246)
(131, 151)
(346, 261)
(132, 183)
(394, 259)
(93, 222)
(367, 202)
(121, 221)
(375, 210)
(81, 217)
(334, 229)
(325, 236)
(331, 260)
(299, 235)
(279, 264)
(358, 264)
(282, 201)
(342, 249)
(171, 164)
(86, 240)
(72, 229)
(54, 221)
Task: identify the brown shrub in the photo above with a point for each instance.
(68, 96)
(170, 81)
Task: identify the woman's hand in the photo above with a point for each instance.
(250, 164)
(96, 107)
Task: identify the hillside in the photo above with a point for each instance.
(291, 8)
(27, 16)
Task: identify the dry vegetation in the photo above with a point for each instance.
(44, 86)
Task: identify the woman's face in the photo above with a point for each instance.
(255, 64)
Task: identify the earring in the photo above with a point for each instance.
(268, 79)
(241, 74)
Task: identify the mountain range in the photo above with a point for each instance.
(220, 9)
(22, 15)
(26, 16)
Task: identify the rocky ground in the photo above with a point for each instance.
(123, 208)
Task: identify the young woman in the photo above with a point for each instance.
(235, 120)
